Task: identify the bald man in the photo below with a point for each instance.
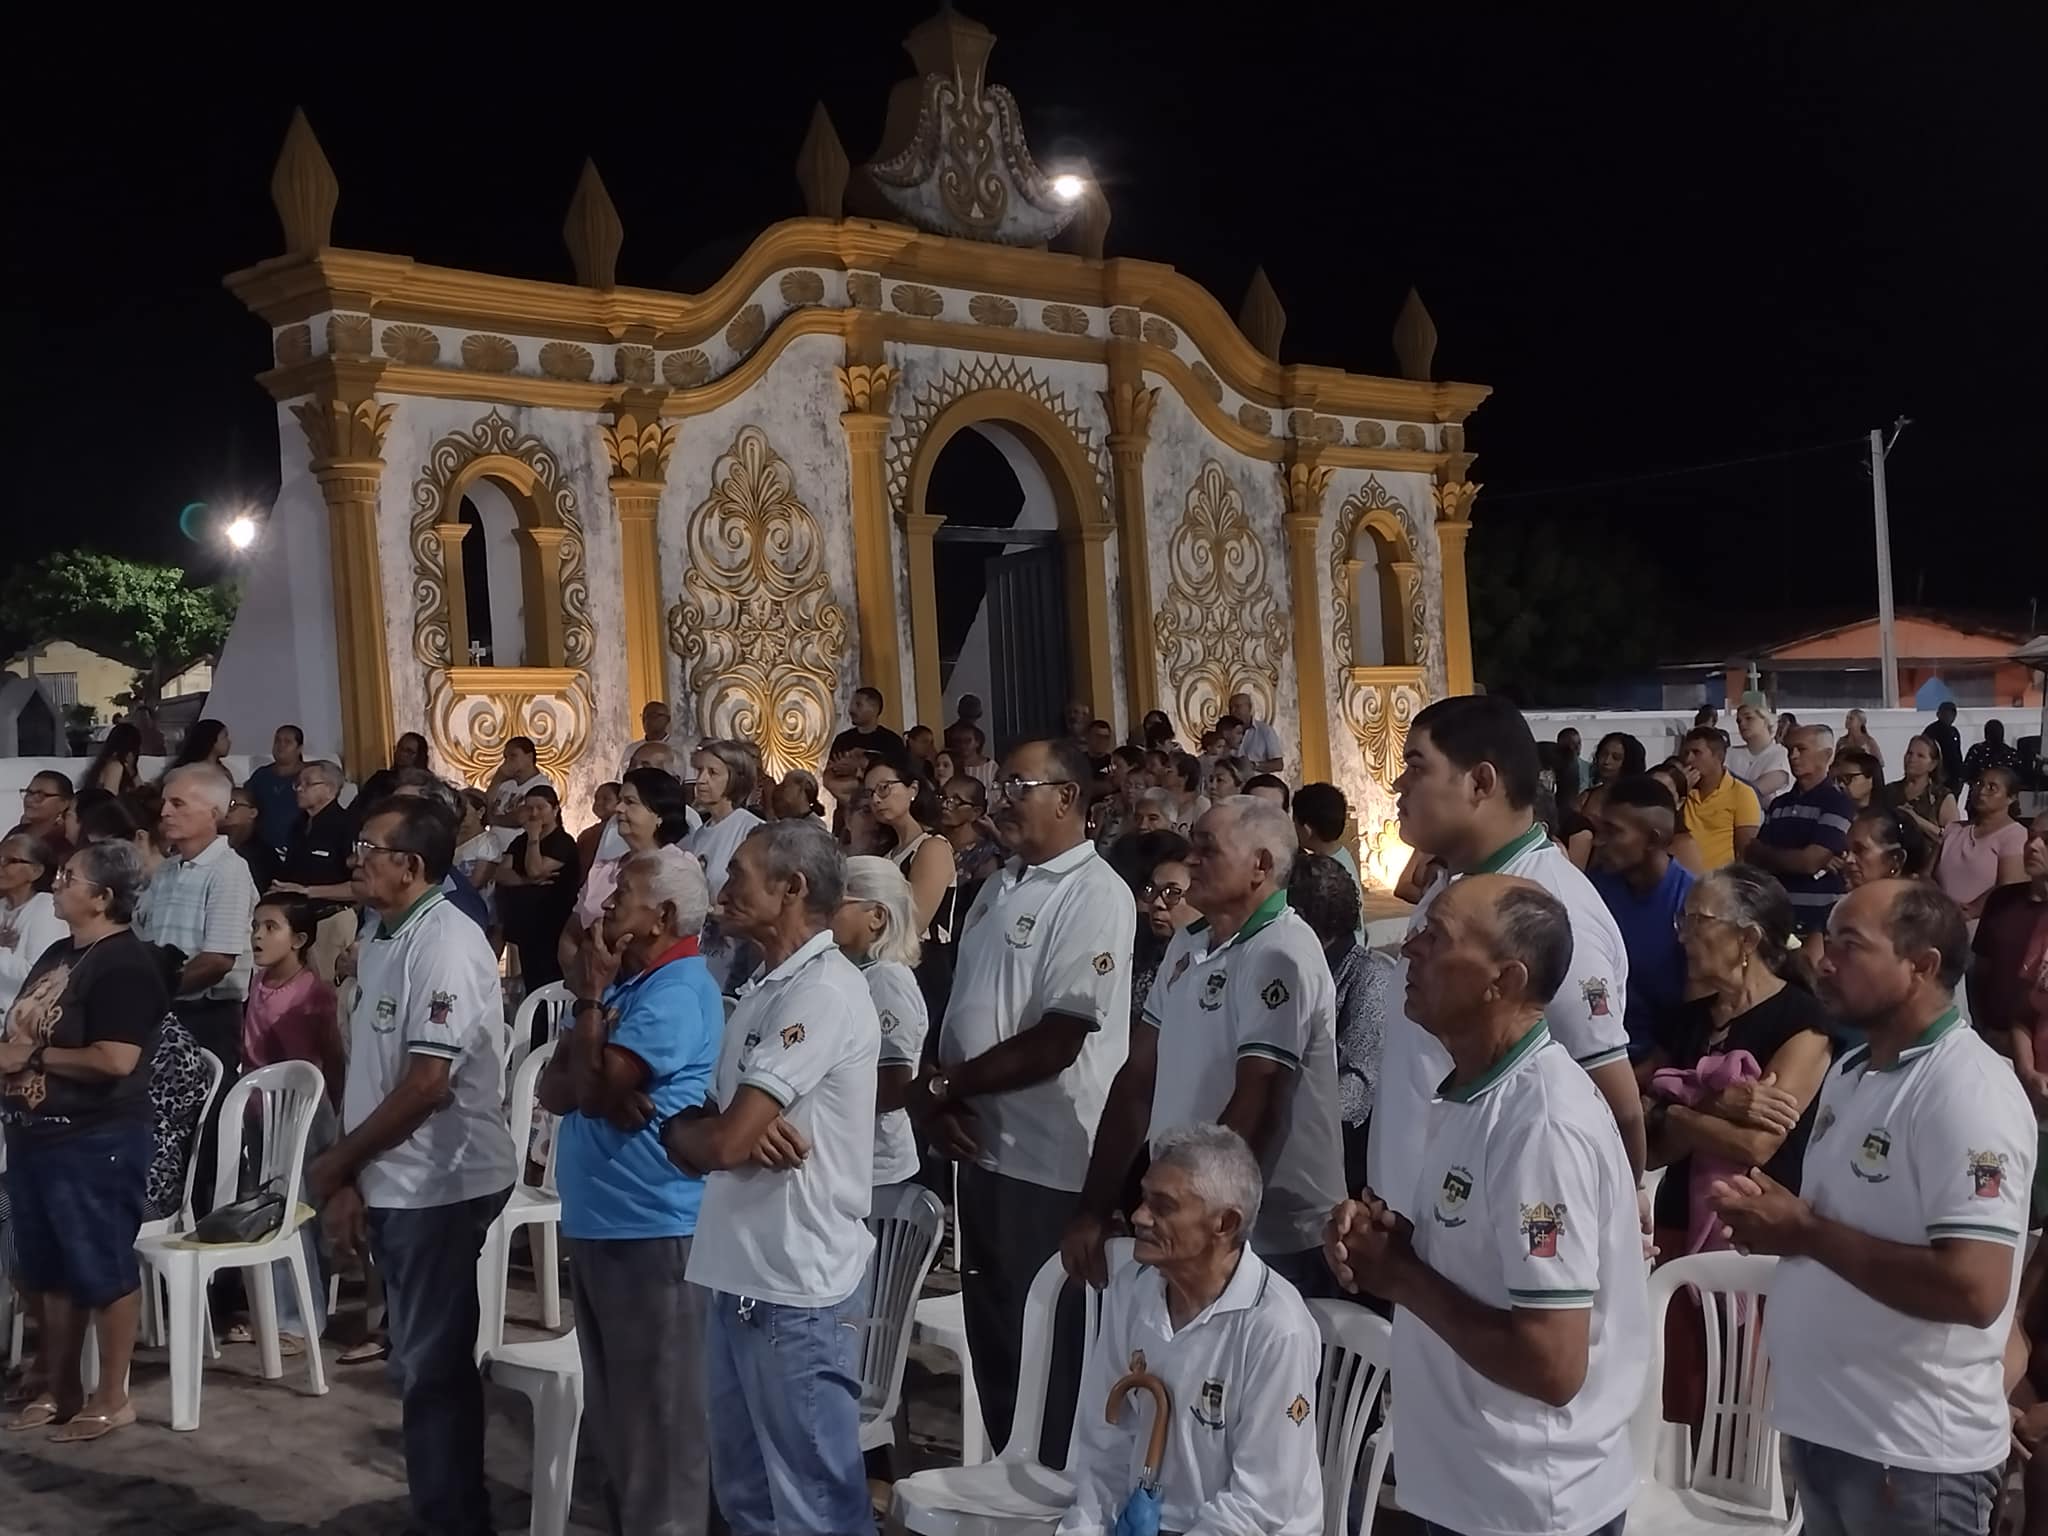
(1520, 1283)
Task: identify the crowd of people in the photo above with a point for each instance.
(1084, 989)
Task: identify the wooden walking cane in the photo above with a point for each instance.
(1155, 1452)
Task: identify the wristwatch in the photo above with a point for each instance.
(585, 1004)
(939, 1087)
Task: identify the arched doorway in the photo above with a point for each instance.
(493, 581)
(1000, 583)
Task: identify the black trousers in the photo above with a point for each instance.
(1008, 1229)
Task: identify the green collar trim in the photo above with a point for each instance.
(1927, 1039)
(1517, 1054)
(430, 900)
(1500, 858)
(1264, 915)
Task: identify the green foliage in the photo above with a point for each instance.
(149, 616)
(1556, 607)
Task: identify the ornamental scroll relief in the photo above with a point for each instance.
(759, 633)
(1220, 631)
(472, 711)
(544, 497)
(1378, 702)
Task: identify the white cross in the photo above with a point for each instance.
(1756, 679)
(477, 652)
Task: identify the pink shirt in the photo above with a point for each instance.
(1968, 866)
(293, 1022)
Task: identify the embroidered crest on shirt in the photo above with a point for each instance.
(1541, 1225)
(1137, 1360)
(1595, 992)
(888, 1022)
(1212, 991)
(1451, 1197)
(1824, 1124)
(439, 1006)
(1869, 1163)
(1179, 966)
(384, 1017)
(1208, 1407)
(1298, 1409)
(792, 1036)
(1104, 964)
(1020, 931)
(1275, 994)
(1987, 1174)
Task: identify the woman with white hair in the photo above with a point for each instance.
(875, 929)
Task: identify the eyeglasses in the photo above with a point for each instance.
(1013, 789)
(1692, 922)
(876, 789)
(364, 848)
(15, 858)
(67, 877)
(957, 803)
(1170, 895)
(40, 794)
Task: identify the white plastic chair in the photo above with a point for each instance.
(289, 1094)
(906, 1240)
(555, 998)
(1358, 1350)
(941, 1323)
(530, 1204)
(155, 1299)
(550, 1373)
(1732, 1480)
(1015, 1494)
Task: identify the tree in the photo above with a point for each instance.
(1558, 607)
(149, 616)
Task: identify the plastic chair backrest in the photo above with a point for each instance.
(289, 1093)
(906, 1229)
(1041, 1309)
(214, 1073)
(1735, 1461)
(525, 1090)
(1358, 1349)
(553, 999)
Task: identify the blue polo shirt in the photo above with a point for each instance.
(616, 1184)
(1656, 960)
(1804, 818)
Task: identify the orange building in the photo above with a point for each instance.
(1839, 666)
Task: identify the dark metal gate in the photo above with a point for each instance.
(1027, 644)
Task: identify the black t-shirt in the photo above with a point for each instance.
(881, 742)
(113, 989)
(533, 915)
(320, 848)
(1688, 1034)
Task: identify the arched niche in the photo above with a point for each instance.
(1382, 579)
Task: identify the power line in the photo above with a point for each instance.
(1672, 474)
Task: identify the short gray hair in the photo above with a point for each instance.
(1163, 798)
(654, 754)
(800, 846)
(1823, 734)
(1220, 1168)
(1532, 926)
(1267, 827)
(878, 882)
(742, 767)
(115, 866)
(674, 879)
(326, 771)
(212, 781)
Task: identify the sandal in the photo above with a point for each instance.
(290, 1346)
(363, 1353)
(43, 1410)
(238, 1333)
(94, 1426)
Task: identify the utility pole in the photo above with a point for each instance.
(1887, 622)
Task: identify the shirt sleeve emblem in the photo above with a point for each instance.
(1595, 992)
(1179, 966)
(888, 1023)
(1541, 1225)
(1298, 1409)
(792, 1036)
(1987, 1174)
(1104, 964)
(1275, 994)
(439, 1006)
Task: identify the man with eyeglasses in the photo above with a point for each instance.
(43, 805)
(426, 1161)
(1037, 1028)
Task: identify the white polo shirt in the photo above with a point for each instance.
(1044, 938)
(1529, 1204)
(430, 987)
(900, 1009)
(806, 1035)
(716, 842)
(1941, 1144)
(1241, 1452)
(1585, 1016)
(1265, 992)
(1261, 743)
(508, 794)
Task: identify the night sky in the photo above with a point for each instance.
(1664, 241)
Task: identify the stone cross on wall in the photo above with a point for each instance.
(477, 652)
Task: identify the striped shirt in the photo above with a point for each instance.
(202, 906)
(1807, 818)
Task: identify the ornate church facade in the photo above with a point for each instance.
(512, 507)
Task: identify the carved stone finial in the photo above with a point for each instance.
(304, 189)
(1414, 338)
(822, 168)
(866, 387)
(593, 232)
(1130, 409)
(1260, 317)
(638, 451)
(950, 44)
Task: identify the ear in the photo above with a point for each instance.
(1512, 979)
(1484, 778)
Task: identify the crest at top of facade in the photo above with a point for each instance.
(953, 159)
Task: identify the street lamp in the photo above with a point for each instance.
(1068, 187)
(241, 532)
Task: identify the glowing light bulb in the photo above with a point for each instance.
(241, 533)
(1068, 187)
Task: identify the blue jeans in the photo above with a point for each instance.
(785, 1425)
(428, 1260)
(1844, 1495)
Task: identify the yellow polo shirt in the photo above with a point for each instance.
(1712, 819)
